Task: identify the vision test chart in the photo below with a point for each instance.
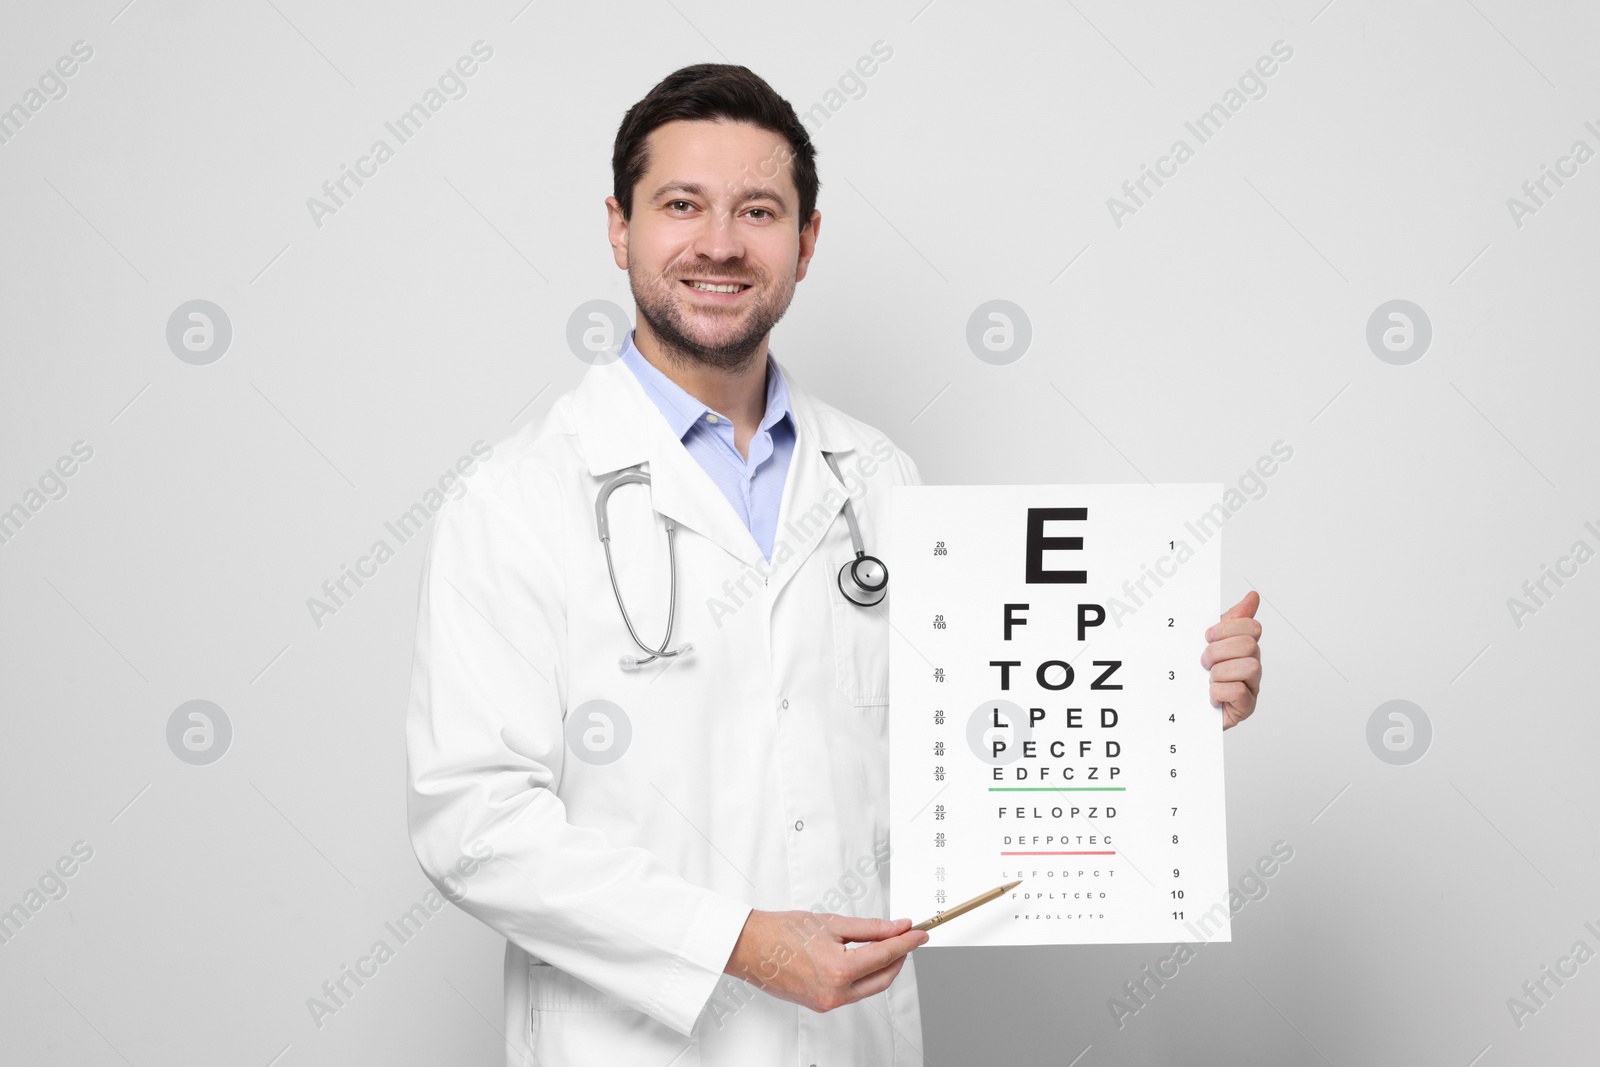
(1050, 719)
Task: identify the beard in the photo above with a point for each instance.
(722, 338)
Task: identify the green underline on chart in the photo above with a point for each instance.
(1058, 788)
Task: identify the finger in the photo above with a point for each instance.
(1246, 671)
(1241, 647)
(850, 928)
(1232, 694)
(877, 981)
(879, 954)
(1246, 608)
(1233, 628)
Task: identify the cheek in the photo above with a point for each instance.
(775, 248)
(655, 247)
(782, 267)
(657, 264)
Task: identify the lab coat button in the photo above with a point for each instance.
(799, 824)
(786, 705)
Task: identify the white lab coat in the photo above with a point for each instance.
(756, 775)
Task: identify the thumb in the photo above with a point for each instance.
(1241, 611)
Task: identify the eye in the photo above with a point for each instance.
(675, 203)
(766, 212)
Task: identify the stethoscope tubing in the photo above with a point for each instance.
(865, 594)
(672, 594)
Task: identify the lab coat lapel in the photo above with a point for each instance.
(812, 496)
(620, 426)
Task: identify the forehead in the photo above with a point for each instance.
(724, 157)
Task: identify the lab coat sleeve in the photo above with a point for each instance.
(485, 745)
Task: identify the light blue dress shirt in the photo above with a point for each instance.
(754, 487)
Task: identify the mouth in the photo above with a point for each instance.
(720, 292)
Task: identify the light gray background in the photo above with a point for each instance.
(1228, 313)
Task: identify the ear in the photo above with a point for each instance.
(617, 232)
(808, 244)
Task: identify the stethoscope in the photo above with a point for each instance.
(864, 580)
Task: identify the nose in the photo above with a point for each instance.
(718, 238)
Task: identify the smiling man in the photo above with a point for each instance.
(689, 832)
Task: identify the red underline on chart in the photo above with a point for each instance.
(1058, 853)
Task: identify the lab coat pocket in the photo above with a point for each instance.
(860, 643)
(574, 1023)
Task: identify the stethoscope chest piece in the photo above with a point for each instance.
(864, 580)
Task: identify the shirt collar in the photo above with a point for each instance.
(682, 410)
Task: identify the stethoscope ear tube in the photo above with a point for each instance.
(602, 523)
(602, 500)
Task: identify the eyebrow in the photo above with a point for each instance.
(695, 189)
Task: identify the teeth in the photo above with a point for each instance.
(708, 287)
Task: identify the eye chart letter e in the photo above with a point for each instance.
(1050, 720)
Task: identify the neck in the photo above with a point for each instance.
(740, 393)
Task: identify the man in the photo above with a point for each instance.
(689, 859)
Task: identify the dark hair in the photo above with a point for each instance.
(708, 91)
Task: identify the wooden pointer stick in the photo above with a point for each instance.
(966, 906)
